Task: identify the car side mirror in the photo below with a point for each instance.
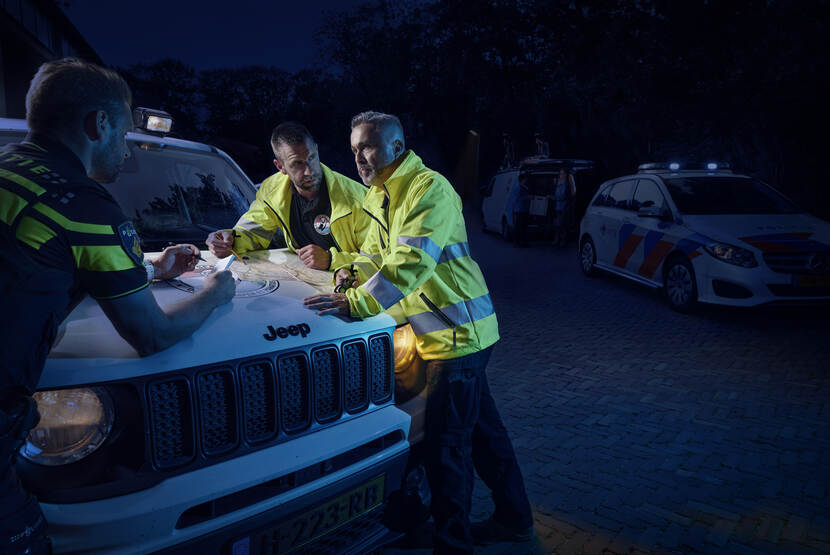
(652, 211)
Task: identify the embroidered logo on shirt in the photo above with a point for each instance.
(130, 242)
(322, 224)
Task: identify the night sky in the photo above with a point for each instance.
(205, 35)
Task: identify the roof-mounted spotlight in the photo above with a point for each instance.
(154, 121)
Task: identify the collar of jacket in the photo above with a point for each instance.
(341, 205)
(398, 182)
(410, 164)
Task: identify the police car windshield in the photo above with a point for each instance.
(726, 195)
(176, 195)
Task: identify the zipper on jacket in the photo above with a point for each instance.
(440, 315)
(284, 227)
(331, 225)
(381, 226)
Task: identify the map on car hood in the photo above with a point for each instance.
(260, 273)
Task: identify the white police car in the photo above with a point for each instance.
(706, 234)
(270, 430)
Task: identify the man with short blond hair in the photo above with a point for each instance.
(62, 237)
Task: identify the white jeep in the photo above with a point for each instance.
(270, 430)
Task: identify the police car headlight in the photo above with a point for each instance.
(405, 352)
(73, 424)
(732, 254)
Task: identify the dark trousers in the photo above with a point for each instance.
(464, 430)
(22, 526)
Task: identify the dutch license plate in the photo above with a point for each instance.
(538, 206)
(812, 281)
(292, 534)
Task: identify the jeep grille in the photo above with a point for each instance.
(214, 412)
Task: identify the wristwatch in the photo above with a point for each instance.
(151, 270)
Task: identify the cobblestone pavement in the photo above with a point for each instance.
(639, 429)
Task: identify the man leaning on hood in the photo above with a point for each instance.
(317, 210)
(416, 263)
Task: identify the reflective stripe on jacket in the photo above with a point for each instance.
(272, 209)
(416, 264)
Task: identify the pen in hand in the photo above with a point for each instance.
(189, 251)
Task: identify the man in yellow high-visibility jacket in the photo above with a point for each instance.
(416, 263)
(317, 209)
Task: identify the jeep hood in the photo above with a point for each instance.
(265, 316)
(767, 233)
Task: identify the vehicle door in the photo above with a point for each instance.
(492, 205)
(616, 221)
(495, 206)
(652, 232)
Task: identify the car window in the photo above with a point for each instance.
(541, 183)
(176, 195)
(727, 195)
(647, 194)
(602, 197)
(620, 194)
(11, 137)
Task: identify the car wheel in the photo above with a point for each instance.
(588, 257)
(506, 231)
(679, 284)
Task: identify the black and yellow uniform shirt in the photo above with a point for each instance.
(74, 224)
(311, 219)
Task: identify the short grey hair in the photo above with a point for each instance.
(378, 119)
(63, 92)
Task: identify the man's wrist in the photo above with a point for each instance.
(150, 268)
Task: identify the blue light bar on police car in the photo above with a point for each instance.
(677, 166)
(155, 121)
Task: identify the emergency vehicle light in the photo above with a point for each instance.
(155, 121)
(676, 166)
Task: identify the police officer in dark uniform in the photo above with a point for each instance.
(63, 236)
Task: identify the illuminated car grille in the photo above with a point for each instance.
(217, 411)
(171, 422)
(354, 376)
(326, 384)
(380, 350)
(799, 263)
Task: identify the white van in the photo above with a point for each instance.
(542, 174)
(270, 430)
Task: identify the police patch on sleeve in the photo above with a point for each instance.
(322, 224)
(130, 242)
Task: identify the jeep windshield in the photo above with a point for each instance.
(711, 195)
(178, 195)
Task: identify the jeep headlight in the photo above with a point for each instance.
(73, 424)
(732, 254)
(405, 352)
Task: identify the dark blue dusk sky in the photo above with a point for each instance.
(205, 34)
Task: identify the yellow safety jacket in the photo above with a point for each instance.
(272, 208)
(415, 264)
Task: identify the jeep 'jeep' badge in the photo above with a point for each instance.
(298, 329)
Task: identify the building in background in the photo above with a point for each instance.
(33, 32)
